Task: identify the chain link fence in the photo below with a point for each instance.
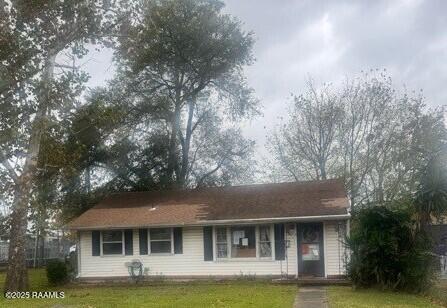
(49, 248)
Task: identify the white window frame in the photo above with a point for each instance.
(258, 242)
(229, 246)
(228, 242)
(149, 251)
(102, 242)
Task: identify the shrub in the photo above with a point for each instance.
(72, 264)
(389, 251)
(57, 272)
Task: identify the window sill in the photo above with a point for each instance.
(245, 260)
(113, 255)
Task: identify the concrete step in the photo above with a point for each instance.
(314, 281)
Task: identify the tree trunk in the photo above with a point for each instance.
(17, 276)
(323, 174)
(36, 246)
(380, 189)
(172, 159)
(87, 180)
(187, 144)
(42, 250)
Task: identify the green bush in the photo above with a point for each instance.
(57, 272)
(389, 251)
(72, 264)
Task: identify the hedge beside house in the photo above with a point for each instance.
(390, 251)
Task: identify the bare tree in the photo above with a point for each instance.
(366, 103)
(306, 145)
(364, 132)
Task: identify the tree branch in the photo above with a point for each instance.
(5, 162)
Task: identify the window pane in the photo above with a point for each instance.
(265, 247)
(112, 248)
(310, 235)
(160, 234)
(221, 235)
(265, 250)
(310, 251)
(112, 236)
(222, 250)
(243, 242)
(264, 233)
(161, 247)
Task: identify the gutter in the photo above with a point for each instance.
(226, 221)
(297, 218)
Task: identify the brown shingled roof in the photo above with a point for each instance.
(199, 206)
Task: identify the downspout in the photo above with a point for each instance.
(338, 247)
(347, 252)
(78, 254)
(286, 252)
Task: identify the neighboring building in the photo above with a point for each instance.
(438, 232)
(54, 245)
(439, 235)
(293, 229)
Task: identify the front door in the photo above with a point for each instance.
(310, 249)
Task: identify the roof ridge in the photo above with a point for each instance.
(223, 187)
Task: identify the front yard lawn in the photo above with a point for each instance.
(347, 297)
(439, 292)
(200, 294)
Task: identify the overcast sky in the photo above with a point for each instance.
(331, 40)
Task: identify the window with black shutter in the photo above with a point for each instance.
(96, 243)
(208, 243)
(128, 242)
(178, 241)
(279, 242)
(112, 242)
(160, 240)
(142, 235)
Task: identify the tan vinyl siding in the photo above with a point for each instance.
(190, 263)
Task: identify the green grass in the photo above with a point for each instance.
(347, 297)
(232, 294)
(439, 293)
(202, 294)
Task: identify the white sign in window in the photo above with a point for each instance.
(244, 242)
(310, 252)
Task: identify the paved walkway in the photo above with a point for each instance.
(311, 297)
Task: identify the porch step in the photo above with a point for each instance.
(314, 281)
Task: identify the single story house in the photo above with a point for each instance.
(275, 230)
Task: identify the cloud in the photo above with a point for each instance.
(330, 40)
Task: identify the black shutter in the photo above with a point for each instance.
(96, 249)
(208, 243)
(279, 242)
(178, 240)
(128, 242)
(143, 241)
